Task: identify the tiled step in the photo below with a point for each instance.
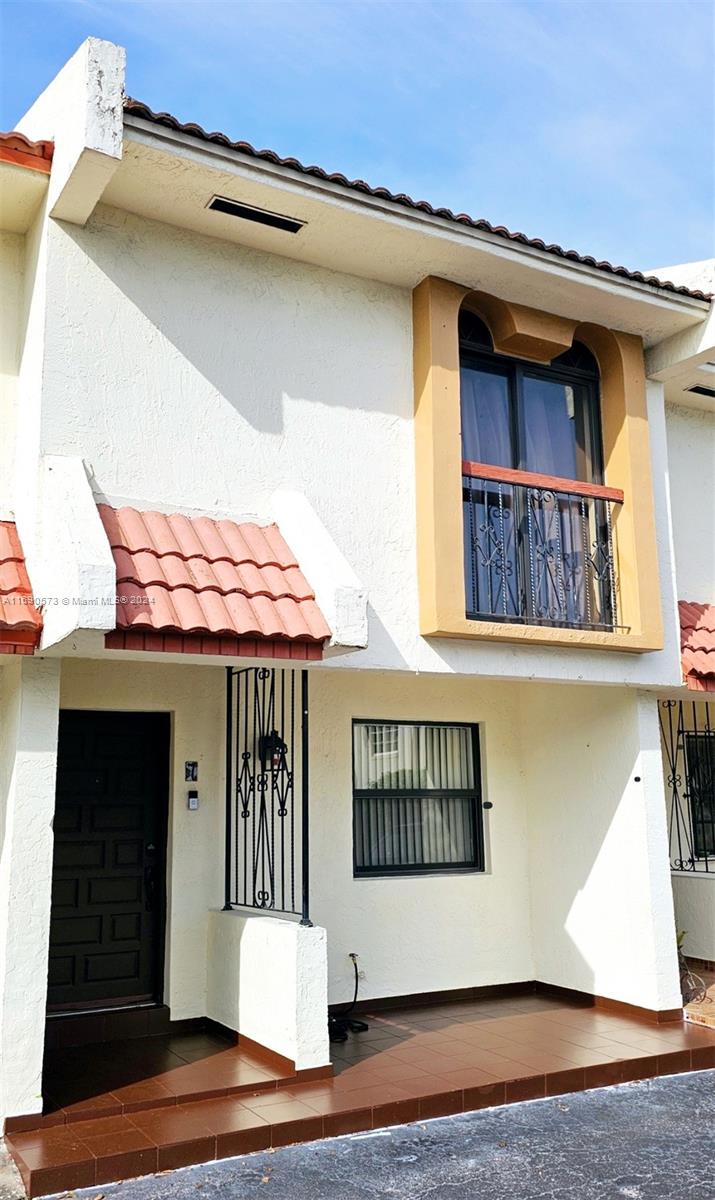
(139, 1142)
(77, 1089)
(148, 1096)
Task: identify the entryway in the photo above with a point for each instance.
(109, 869)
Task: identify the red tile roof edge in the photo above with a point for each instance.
(17, 149)
(233, 647)
(20, 621)
(697, 644)
(137, 108)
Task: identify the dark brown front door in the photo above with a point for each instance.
(108, 881)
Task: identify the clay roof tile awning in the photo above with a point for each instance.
(697, 645)
(20, 622)
(198, 585)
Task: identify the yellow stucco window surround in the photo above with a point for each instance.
(539, 337)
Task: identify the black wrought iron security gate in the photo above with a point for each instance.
(267, 850)
(688, 739)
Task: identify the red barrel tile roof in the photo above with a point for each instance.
(697, 645)
(20, 622)
(137, 108)
(214, 578)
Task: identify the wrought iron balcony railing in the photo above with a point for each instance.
(537, 550)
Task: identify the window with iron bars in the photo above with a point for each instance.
(416, 798)
(688, 740)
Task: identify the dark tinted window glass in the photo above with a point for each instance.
(473, 331)
(700, 752)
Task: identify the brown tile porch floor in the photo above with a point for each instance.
(126, 1109)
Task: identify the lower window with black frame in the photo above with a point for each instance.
(416, 798)
(700, 781)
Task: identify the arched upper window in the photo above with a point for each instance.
(526, 416)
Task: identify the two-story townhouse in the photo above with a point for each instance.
(356, 532)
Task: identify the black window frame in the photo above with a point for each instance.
(479, 355)
(477, 863)
(696, 790)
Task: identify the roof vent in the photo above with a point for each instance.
(261, 216)
(701, 390)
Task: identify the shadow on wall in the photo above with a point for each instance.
(256, 327)
(602, 912)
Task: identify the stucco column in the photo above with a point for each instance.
(666, 982)
(29, 707)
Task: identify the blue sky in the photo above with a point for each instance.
(584, 122)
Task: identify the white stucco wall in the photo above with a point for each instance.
(81, 111)
(28, 421)
(268, 979)
(28, 708)
(11, 284)
(601, 902)
(195, 697)
(691, 464)
(227, 375)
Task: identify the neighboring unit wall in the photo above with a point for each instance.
(691, 465)
(195, 697)
(693, 713)
(602, 911)
(694, 899)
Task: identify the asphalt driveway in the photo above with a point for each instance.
(640, 1141)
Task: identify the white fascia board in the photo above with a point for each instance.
(689, 348)
(81, 110)
(192, 149)
(73, 570)
(339, 593)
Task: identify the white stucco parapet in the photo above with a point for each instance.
(267, 978)
(338, 592)
(72, 570)
(82, 112)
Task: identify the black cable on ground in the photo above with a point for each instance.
(340, 1024)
